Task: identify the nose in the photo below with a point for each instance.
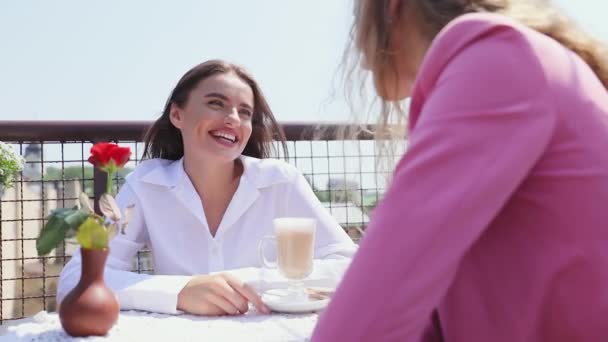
(232, 118)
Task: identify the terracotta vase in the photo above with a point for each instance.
(91, 308)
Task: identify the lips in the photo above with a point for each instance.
(225, 136)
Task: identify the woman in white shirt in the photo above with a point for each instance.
(204, 199)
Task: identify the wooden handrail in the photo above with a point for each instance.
(92, 131)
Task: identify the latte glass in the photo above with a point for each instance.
(294, 238)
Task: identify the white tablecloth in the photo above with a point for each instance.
(144, 326)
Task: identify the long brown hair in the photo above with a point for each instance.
(372, 28)
(163, 140)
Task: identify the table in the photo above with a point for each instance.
(146, 326)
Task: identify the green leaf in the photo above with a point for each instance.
(92, 234)
(100, 238)
(76, 218)
(61, 223)
(50, 236)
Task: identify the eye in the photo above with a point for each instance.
(216, 103)
(245, 112)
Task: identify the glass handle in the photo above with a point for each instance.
(261, 248)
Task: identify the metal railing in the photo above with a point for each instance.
(342, 173)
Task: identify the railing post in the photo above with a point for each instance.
(100, 180)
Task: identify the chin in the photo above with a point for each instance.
(218, 156)
(393, 95)
(395, 92)
(227, 157)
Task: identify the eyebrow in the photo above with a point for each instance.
(225, 98)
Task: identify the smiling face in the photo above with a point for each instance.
(216, 120)
(205, 94)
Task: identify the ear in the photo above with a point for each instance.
(176, 116)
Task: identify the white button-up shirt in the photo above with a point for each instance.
(169, 219)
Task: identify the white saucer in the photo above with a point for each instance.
(277, 300)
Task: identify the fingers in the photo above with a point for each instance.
(219, 294)
(223, 304)
(254, 298)
(230, 294)
(209, 309)
(248, 293)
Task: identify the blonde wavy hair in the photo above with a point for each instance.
(371, 29)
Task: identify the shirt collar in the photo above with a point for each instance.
(258, 173)
(167, 173)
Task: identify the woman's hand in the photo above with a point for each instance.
(218, 294)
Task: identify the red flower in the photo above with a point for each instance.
(109, 156)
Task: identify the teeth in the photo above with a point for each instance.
(225, 136)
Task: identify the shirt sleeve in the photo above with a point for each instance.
(331, 241)
(483, 126)
(155, 293)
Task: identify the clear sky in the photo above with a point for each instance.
(118, 60)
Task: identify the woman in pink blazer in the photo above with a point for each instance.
(495, 226)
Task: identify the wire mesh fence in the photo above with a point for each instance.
(342, 173)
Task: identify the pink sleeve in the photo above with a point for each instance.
(484, 123)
